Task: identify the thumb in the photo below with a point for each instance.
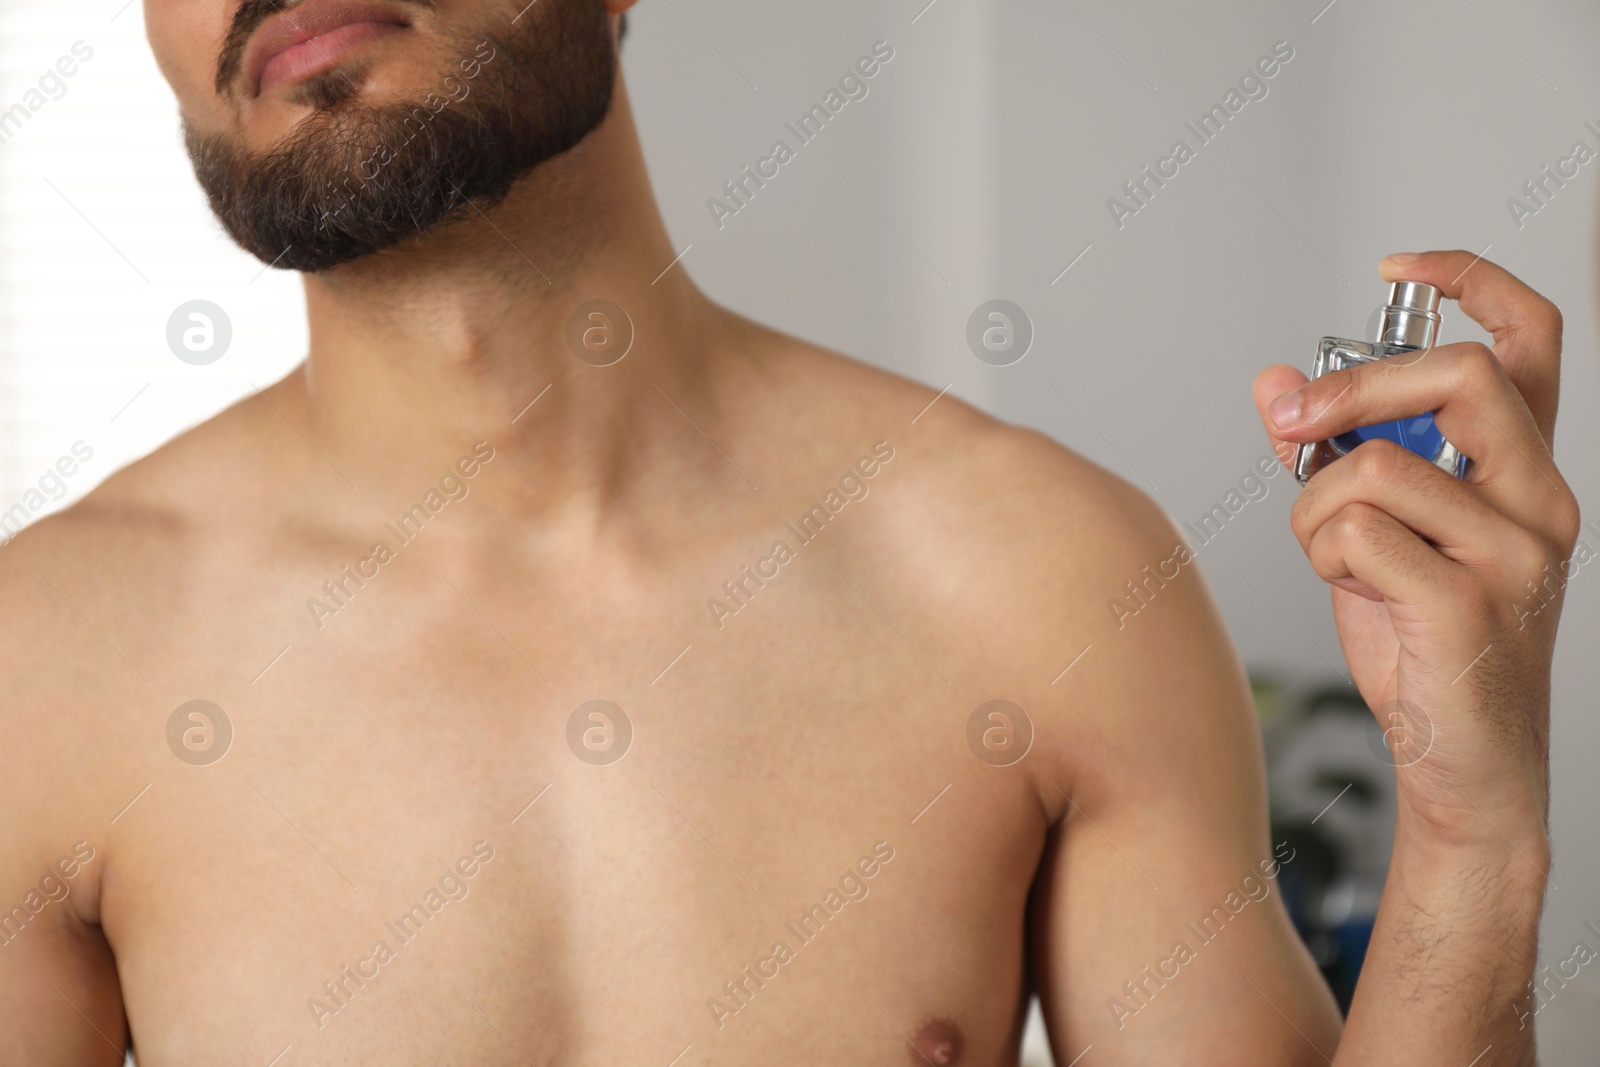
(1269, 385)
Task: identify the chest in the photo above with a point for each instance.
(483, 833)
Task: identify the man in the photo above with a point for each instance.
(558, 668)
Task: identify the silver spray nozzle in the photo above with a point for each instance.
(1411, 317)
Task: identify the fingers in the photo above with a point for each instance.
(1269, 385)
(1450, 516)
(1369, 552)
(1475, 406)
(1386, 524)
(1526, 326)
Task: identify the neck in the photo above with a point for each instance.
(463, 336)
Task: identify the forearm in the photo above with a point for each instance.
(1446, 975)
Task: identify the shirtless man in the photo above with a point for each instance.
(522, 470)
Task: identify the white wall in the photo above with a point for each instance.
(990, 144)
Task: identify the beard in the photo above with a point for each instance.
(353, 179)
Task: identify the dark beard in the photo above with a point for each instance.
(352, 179)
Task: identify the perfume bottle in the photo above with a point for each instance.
(1409, 322)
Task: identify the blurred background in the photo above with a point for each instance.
(978, 167)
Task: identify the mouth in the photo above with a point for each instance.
(314, 37)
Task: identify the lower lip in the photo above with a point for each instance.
(321, 53)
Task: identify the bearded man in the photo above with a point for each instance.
(389, 717)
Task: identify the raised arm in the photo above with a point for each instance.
(1159, 930)
(1432, 580)
(1159, 933)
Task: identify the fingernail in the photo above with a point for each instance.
(1400, 259)
(1285, 410)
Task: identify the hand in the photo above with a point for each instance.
(1446, 593)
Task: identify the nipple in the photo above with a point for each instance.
(938, 1043)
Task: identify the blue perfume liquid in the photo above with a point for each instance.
(1420, 435)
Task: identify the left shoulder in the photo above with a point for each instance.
(1006, 547)
(1037, 576)
(958, 471)
(1001, 515)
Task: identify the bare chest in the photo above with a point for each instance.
(479, 839)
